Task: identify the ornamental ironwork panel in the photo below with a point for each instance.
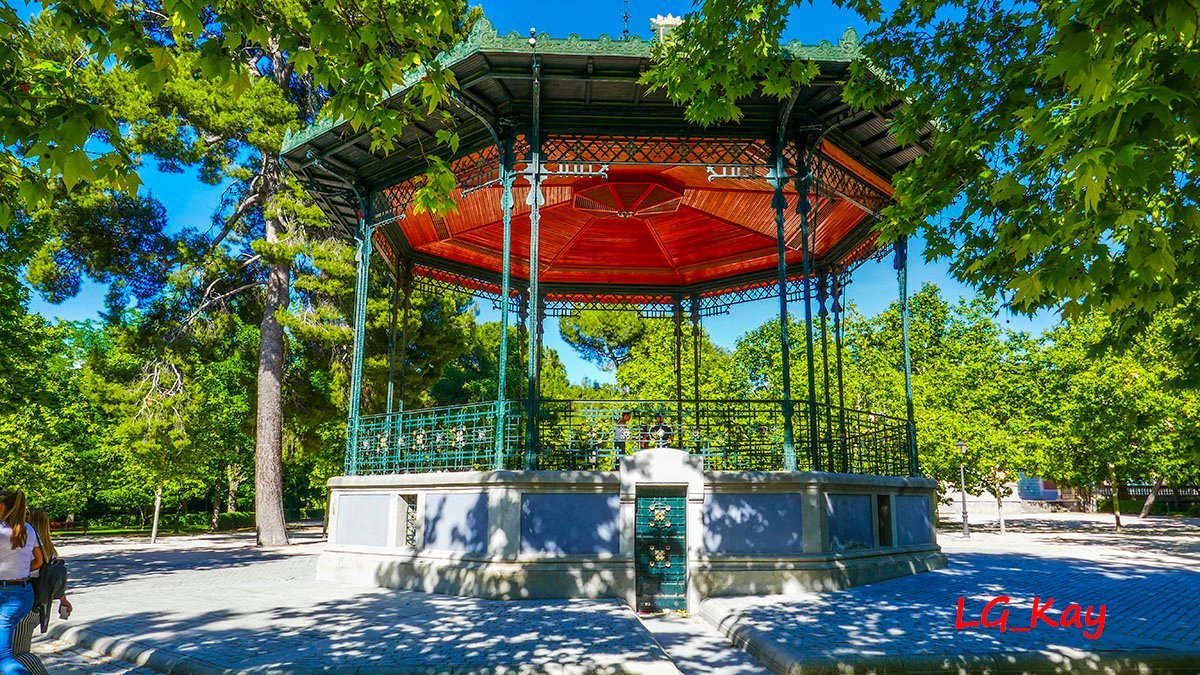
(655, 150)
(431, 280)
(410, 520)
(592, 435)
(453, 438)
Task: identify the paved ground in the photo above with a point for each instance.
(1148, 577)
(226, 605)
(697, 648)
(218, 600)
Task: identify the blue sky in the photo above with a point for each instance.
(191, 203)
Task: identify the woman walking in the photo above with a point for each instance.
(39, 520)
(20, 554)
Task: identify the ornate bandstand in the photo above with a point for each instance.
(566, 159)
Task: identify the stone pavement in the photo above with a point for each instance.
(697, 648)
(1148, 577)
(217, 604)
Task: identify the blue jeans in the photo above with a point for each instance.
(15, 603)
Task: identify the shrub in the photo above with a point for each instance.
(235, 521)
(1133, 506)
(1194, 510)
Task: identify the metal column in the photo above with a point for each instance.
(779, 202)
(506, 205)
(391, 376)
(804, 180)
(902, 279)
(823, 313)
(362, 276)
(839, 306)
(535, 200)
(406, 284)
(677, 316)
(696, 363)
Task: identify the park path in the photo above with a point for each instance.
(220, 603)
(1148, 578)
(217, 603)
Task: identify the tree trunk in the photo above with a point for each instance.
(1116, 500)
(1000, 511)
(157, 511)
(268, 452)
(1158, 481)
(215, 517)
(234, 475)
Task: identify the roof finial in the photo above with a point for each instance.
(625, 16)
(661, 25)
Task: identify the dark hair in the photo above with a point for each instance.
(13, 502)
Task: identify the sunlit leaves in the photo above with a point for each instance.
(1065, 164)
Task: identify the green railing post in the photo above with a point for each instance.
(506, 205)
(362, 275)
(902, 280)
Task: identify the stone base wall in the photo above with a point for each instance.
(544, 534)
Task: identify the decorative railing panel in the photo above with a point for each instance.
(453, 438)
(731, 435)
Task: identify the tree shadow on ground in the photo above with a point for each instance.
(120, 559)
(1147, 608)
(397, 632)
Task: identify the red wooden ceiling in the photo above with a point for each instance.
(644, 225)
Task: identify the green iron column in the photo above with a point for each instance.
(506, 205)
(406, 285)
(778, 176)
(535, 200)
(823, 314)
(393, 305)
(911, 427)
(677, 317)
(839, 291)
(804, 181)
(696, 363)
(362, 276)
(807, 227)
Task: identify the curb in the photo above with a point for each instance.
(782, 660)
(133, 653)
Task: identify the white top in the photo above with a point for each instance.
(14, 564)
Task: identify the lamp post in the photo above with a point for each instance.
(962, 485)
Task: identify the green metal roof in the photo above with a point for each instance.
(485, 38)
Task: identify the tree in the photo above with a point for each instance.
(1066, 152)
(217, 87)
(1118, 416)
(604, 337)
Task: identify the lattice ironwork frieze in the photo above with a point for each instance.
(655, 150)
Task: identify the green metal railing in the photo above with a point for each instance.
(731, 435)
(452, 438)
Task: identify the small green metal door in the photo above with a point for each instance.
(660, 549)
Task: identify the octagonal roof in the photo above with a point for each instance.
(680, 208)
